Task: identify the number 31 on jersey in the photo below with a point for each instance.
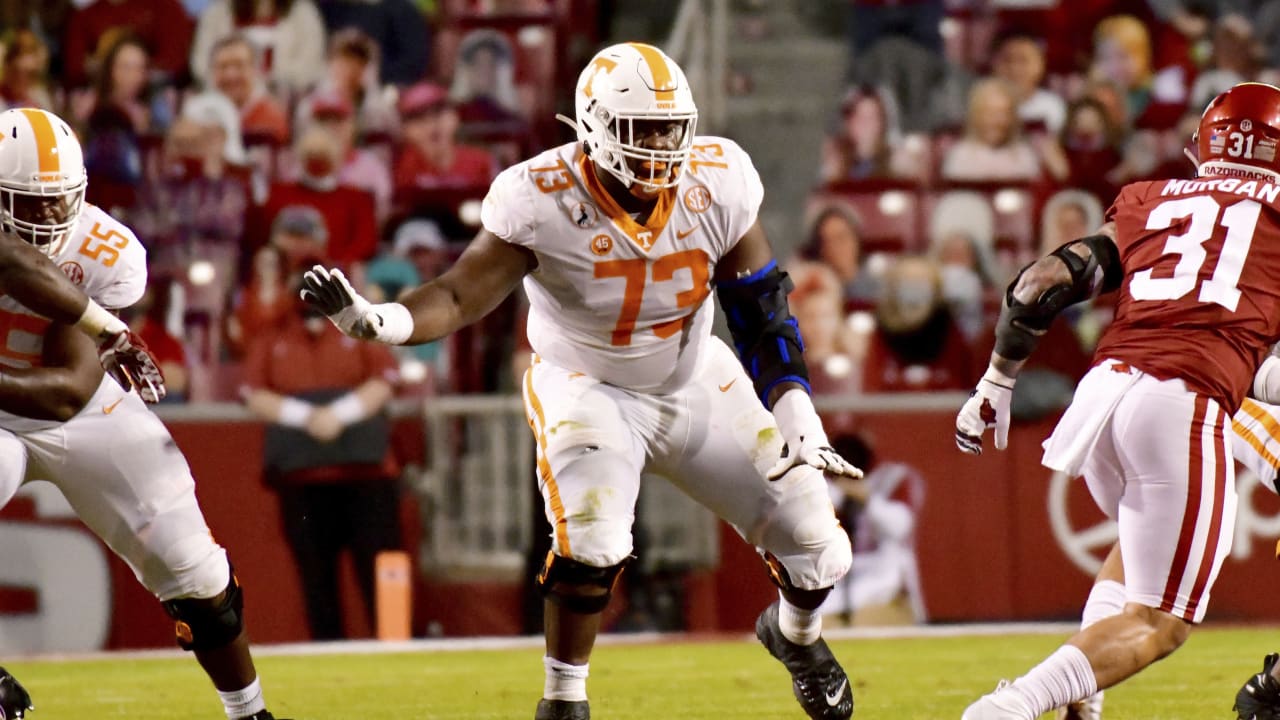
(1240, 220)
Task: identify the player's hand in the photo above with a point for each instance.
(987, 407)
(329, 292)
(126, 358)
(15, 701)
(804, 440)
(815, 451)
(323, 425)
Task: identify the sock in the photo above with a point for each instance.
(245, 702)
(1064, 677)
(1105, 599)
(564, 681)
(800, 626)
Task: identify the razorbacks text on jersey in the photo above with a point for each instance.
(623, 302)
(1199, 300)
(104, 258)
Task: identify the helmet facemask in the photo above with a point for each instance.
(618, 147)
(44, 217)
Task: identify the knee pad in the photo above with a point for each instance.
(208, 623)
(578, 587)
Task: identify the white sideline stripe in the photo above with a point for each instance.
(527, 642)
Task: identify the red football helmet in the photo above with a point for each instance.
(1239, 133)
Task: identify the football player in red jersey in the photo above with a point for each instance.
(1194, 262)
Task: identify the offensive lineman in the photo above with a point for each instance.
(1197, 313)
(62, 421)
(619, 239)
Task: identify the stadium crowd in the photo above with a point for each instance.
(244, 140)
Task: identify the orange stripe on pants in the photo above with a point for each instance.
(544, 466)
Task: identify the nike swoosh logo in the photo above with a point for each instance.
(726, 386)
(833, 699)
(108, 409)
(680, 235)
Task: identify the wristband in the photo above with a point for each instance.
(796, 416)
(347, 409)
(397, 323)
(995, 377)
(294, 413)
(96, 321)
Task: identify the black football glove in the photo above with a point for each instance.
(15, 701)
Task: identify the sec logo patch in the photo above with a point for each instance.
(601, 244)
(697, 198)
(73, 271)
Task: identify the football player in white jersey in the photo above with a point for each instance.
(619, 239)
(63, 421)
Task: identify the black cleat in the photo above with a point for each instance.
(816, 677)
(262, 715)
(15, 701)
(562, 710)
(1259, 699)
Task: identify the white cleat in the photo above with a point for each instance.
(999, 705)
(1089, 708)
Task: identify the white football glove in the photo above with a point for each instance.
(329, 292)
(987, 407)
(805, 440)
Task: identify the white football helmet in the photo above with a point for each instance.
(42, 178)
(623, 84)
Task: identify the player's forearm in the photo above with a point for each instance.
(29, 277)
(46, 393)
(279, 409)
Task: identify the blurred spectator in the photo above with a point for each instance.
(147, 319)
(1237, 57)
(993, 148)
(961, 236)
(26, 64)
(834, 239)
(484, 90)
(880, 513)
(396, 26)
(264, 302)
(1092, 140)
(46, 18)
(418, 253)
(287, 36)
(327, 453)
(300, 234)
(1122, 55)
(195, 209)
(116, 113)
(831, 349)
(162, 25)
(867, 143)
(916, 345)
(332, 115)
(1020, 61)
(348, 212)
(431, 157)
(1068, 215)
(351, 78)
(234, 72)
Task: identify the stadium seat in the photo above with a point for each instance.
(888, 209)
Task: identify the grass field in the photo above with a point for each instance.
(933, 677)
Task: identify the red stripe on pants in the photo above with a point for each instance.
(1215, 525)
(1187, 534)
